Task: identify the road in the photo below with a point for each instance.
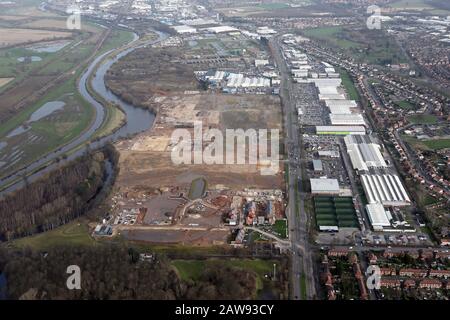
(302, 265)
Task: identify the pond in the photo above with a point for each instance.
(32, 58)
(44, 111)
(197, 190)
(50, 47)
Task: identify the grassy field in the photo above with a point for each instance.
(348, 85)
(274, 5)
(193, 269)
(437, 144)
(303, 286)
(370, 46)
(423, 119)
(73, 233)
(404, 104)
(410, 4)
(280, 227)
(332, 35)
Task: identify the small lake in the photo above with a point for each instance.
(197, 189)
(50, 47)
(32, 58)
(44, 111)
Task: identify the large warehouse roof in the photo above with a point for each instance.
(341, 102)
(347, 119)
(221, 29)
(345, 130)
(339, 109)
(331, 96)
(327, 82)
(328, 90)
(378, 216)
(363, 153)
(184, 29)
(386, 189)
(323, 185)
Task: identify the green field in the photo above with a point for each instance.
(333, 35)
(274, 5)
(280, 228)
(73, 233)
(423, 119)
(349, 85)
(437, 144)
(193, 269)
(410, 4)
(370, 46)
(405, 105)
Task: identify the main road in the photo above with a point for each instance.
(302, 273)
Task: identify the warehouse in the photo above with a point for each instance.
(328, 153)
(317, 166)
(363, 153)
(340, 130)
(184, 29)
(341, 103)
(378, 216)
(324, 186)
(339, 109)
(386, 189)
(222, 29)
(331, 96)
(347, 119)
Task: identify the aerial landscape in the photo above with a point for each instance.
(225, 150)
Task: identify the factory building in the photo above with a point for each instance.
(363, 153)
(324, 186)
(317, 166)
(341, 103)
(340, 130)
(386, 189)
(236, 80)
(339, 109)
(328, 153)
(334, 96)
(378, 216)
(347, 119)
(183, 29)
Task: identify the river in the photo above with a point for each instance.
(138, 119)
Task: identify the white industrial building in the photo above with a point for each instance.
(363, 153)
(340, 130)
(378, 216)
(222, 29)
(347, 119)
(332, 96)
(324, 186)
(341, 103)
(386, 189)
(339, 109)
(184, 29)
(328, 153)
(236, 80)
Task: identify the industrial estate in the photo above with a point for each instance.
(348, 110)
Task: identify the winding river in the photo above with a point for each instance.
(138, 119)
